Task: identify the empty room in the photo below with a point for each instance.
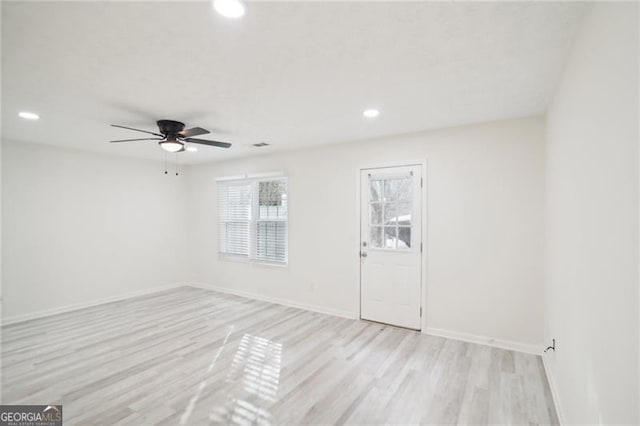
(320, 212)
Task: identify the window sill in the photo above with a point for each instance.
(277, 265)
(244, 259)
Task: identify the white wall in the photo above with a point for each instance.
(484, 224)
(79, 227)
(592, 222)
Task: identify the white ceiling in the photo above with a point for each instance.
(290, 74)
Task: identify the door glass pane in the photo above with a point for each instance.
(390, 237)
(376, 213)
(404, 213)
(404, 237)
(376, 189)
(404, 193)
(389, 213)
(376, 237)
(391, 189)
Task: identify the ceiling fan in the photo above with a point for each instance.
(173, 136)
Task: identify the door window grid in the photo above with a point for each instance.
(390, 213)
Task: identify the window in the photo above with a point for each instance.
(253, 218)
(271, 221)
(235, 218)
(390, 213)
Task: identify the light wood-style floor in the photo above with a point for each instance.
(191, 356)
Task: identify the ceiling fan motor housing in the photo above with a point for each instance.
(170, 127)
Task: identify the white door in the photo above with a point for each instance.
(390, 245)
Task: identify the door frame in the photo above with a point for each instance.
(423, 222)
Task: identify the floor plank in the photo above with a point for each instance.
(191, 356)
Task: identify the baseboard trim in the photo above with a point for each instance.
(277, 301)
(75, 307)
(484, 340)
(554, 389)
(466, 337)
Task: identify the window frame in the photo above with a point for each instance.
(254, 205)
(383, 202)
(226, 221)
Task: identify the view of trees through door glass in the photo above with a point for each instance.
(390, 209)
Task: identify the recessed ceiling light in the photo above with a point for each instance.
(28, 115)
(192, 149)
(229, 8)
(371, 113)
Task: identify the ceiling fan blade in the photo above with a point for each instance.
(210, 143)
(196, 131)
(137, 130)
(131, 140)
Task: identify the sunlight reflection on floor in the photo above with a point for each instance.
(256, 366)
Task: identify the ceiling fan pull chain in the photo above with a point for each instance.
(176, 164)
(165, 163)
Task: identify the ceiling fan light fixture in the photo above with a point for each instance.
(229, 8)
(172, 145)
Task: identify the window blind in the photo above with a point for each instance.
(235, 218)
(271, 221)
(253, 219)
